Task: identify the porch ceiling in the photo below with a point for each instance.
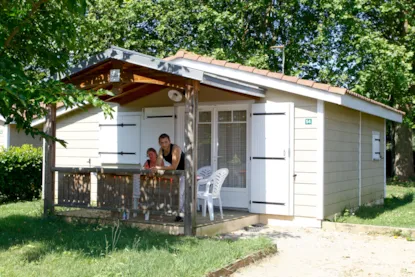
(141, 75)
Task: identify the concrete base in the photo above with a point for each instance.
(227, 226)
(289, 221)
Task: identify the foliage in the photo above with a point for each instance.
(37, 39)
(238, 31)
(397, 210)
(20, 173)
(33, 246)
(370, 49)
(410, 183)
(363, 45)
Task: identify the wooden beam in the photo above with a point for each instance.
(102, 86)
(191, 95)
(127, 78)
(148, 80)
(135, 93)
(85, 74)
(93, 81)
(125, 93)
(49, 150)
(110, 170)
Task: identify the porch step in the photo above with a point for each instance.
(227, 226)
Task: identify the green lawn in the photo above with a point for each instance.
(33, 246)
(398, 211)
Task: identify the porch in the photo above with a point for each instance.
(232, 220)
(135, 197)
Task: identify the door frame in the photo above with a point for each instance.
(291, 156)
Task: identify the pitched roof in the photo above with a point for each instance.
(309, 83)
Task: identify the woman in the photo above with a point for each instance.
(150, 163)
(152, 159)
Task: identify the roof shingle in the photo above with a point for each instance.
(309, 83)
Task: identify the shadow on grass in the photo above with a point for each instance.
(391, 203)
(54, 235)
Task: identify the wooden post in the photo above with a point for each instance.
(49, 161)
(192, 89)
(196, 88)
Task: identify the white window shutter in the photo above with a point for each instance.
(119, 139)
(108, 140)
(129, 140)
(376, 146)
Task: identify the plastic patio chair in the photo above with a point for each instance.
(204, 173)
(215, 181)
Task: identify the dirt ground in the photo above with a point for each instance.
(315, 252)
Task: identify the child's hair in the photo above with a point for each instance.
(151, 150)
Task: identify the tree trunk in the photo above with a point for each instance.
(404, 160)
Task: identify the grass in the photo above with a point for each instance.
(398, 210)
(34, 246)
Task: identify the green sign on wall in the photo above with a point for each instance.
(308, 121)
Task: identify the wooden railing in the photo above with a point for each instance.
(74, 189)
(113, 189)
(159, 193)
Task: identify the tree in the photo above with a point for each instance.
(239, 31)
(365, 46)
(370, 47)
(37, 39)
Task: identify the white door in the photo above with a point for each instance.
(271, 185)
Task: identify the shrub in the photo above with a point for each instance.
(20, 173)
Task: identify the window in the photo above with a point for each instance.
(232, 146)
(376, 146)
(204, 138)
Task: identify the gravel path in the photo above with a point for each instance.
(315, 252)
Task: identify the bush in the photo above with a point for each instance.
(20, 173)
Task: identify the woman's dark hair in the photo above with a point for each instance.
(162, 136)
(151, 150)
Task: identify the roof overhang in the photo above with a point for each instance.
(146, 61)
(273, 83)
(132, 57)
(233, 85)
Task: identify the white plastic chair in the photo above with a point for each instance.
(203, 172)
(215, 181)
